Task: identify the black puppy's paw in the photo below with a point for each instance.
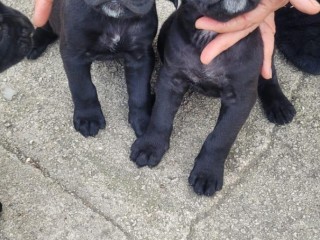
(89, 121)
(36, 52)
(279, 110)
(206, 181)
(41, 38)
(148, 151)
(277, 107)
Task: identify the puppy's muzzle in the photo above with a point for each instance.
(113, 9)
(139, 7)
(234, 6)
(230, 6)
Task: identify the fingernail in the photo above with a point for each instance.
(205, 60)
(33, 21)
(203, 23)
(269, 73)
(198, 24)
(315, 3)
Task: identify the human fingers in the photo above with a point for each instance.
(222, 42)
(268, 30)
(42, 12)
(247, 20)
(306, 6)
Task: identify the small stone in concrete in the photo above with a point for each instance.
(8, 93)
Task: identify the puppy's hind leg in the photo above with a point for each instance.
(42, 37)
(277, 107)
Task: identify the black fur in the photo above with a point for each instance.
(15, 39)
(88, 34)
(232, 76)
(298, 38)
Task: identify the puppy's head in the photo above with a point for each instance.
(222, 10)
(15, 36)
(122, 8)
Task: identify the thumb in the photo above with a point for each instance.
(306, 6)
(42, 12)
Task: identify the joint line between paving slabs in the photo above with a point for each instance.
(228, 189)
(25, 160)
(97, 211)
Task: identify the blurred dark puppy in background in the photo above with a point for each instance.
(298, 38)
(92, 30)
(233, 76)
(15, 38)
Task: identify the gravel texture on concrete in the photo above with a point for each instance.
(55, 184)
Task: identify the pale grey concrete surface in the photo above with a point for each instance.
(55, 184)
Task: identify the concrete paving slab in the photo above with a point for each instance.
(36, 207)
(279, 197)
(36, 128)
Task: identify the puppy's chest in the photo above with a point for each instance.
(213, 74)
(208, 81)
(110, 43)
(202, 37)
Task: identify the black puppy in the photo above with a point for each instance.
(298, 38)
(15, 38)
(92, 30)
(233, 76)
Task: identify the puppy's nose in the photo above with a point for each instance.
(138, 6)
(234, 6)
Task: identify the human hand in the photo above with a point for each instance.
(239, 27)
(42, 12)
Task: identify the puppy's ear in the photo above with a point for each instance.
(176, 3)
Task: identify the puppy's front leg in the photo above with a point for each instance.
(88, 118)
(149, 149)
(138, 69)
(207, 174)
